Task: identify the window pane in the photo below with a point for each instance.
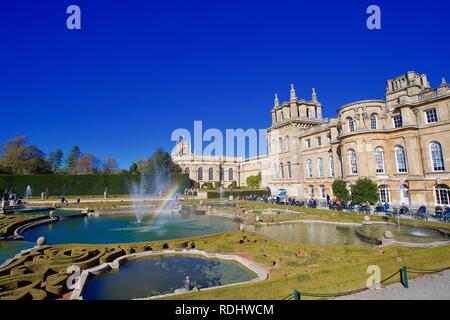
(401, 160)
(436, 157)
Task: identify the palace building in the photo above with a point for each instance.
(402, 143)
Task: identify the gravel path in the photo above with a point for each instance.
(429, 287)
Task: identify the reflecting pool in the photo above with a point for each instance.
(406, 233)
(162, 275)
(311, 233)
(124, 228)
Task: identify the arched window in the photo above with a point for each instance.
(187, 171)
(320, 167)
(222, 174)
(373, 122)
(307, 113)
(288, 146)
(442, 193)
(309, 168)
(331, 160)
(200, 174)
(230, 174)
(323, 193)
(352, 162)
(437, 160)
(211, 174)
(289, 170)
(379, 160)
(384, 193)
(351, 124)
(400, 159)
(311, 191)
(282, 170)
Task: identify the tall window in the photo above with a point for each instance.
(319, 141)
(280, 145)
(320, 167)
(230, 174)
(323, 193)
(308, 143)
(373, 122)
(200, 174)
(282, 170)
(401, 159)
(309, 168)
(289, 168)
(384, 193)
(442, 193)
(331, 159)
(397, 121)
(211, 174)
(431, 115)
(311, 191)
(352, 161)
(379, 160)
(329, 137)
(351, 124)
(288, 146)
(436, 156)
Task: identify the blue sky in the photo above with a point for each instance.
(137, 70)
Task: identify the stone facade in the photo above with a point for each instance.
(402, 143)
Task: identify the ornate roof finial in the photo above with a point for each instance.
(293, 96)
(314, 95)
(276, 102)
(443, 82)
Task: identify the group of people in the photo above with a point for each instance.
(10, 199)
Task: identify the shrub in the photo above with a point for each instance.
(254, 181)
(91, 184)
(340, 190)
(365, 190)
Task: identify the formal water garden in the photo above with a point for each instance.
(145, 244)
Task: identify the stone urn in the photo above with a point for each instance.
(41, 241)
(242, 227)
(388, 234)
(366, 218)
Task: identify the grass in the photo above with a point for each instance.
(41, 274)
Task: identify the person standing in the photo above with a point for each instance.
(187, 284)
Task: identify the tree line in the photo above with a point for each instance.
(22, 158)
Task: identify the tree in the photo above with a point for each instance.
(110, 165)
(72, 159)
(340, 190)
(365, 190)
(55, 159)
(254, 182)
(159, 163)
(19, 157)
(86, 164)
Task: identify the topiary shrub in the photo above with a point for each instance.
(340, 190)
(365, 190)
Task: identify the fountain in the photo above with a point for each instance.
(28, 194)
(137, 193)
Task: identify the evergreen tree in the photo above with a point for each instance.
(340, 190)
(55, 159)
(72, 159)
(365, 190)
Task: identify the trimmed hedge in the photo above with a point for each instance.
(70, 185)
(243, 193)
